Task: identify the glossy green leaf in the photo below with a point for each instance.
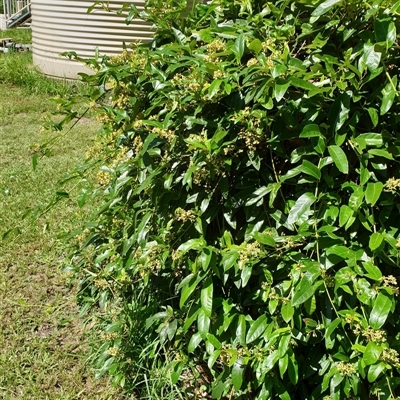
(219, 389)
(339, 112)
(339, 158)
(237, 373)
(246, 275)
(372, 353)
(264, 238)
(373, 192)
(303, 84)
(346, 214)
(385, 31)
(283, 365)
(255, 45)
(241, 330)
(395, 7)
(371, 139)
(380, 310)
(375, 240)
(281, 86)
(356, 198)
(293, 370)
(324, 7)
(287, 311)
(303, 292)
(310, 169)
(191, 244)
(203, 322)
(374, 116)
(329, 333)
(381, 153)
(194, 342)
(206, 296)
(311, 130)
(310, 305)
(278, 70)
(189, 285)
(257, 328)
(283, 345)
(239, 47)
(372, 58)
(375, 371)
(214, 87)
(258, 194)
(212, 359)
(373, 272)
(388, 95)
(302, 206)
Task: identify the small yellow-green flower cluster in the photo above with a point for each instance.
(113, 351)
(184, 216)
(391, 282)
(390, 356)
(252, 62)
(95, 151)
(241, 115)
(252, 139)
(122, 58)
(121, 156)
(216, 46)
(268, 45)
(392, 185)
(109, 336)
(347, 369)
(289, 243)
(218, 74)
(250, 252)
(101, 283)
(202, 175)
(191, 83)
(265, 285)
(152, 260)
(176, 255)
(123, 278)
(137, 145)
(103, 178)
(166, 134)
(227, 352)
(273, 295)
(230, 148)
(374, 335)
(329, 281)
(351, 319)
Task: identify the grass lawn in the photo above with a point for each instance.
(42, 342)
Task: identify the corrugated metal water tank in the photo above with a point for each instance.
(64, 25)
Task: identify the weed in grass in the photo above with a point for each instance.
(16, 68)
(22, 35)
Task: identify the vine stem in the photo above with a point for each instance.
(336, 312)
(390, 79)
(390, 388)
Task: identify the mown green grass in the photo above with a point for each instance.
(42, 342)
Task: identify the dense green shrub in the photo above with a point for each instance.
(248, 244)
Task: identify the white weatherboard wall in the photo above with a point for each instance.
(2, 22)
(64, 25)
